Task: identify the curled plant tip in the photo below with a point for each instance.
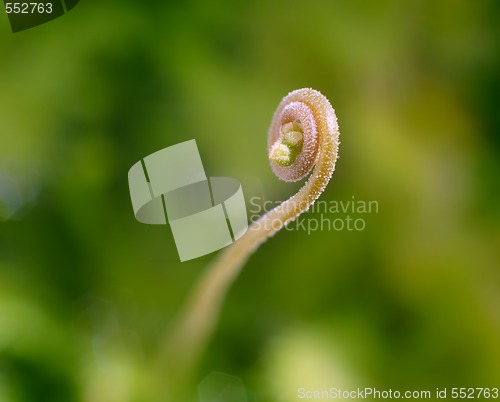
(308, 115)
(303, 137)
(304, 134)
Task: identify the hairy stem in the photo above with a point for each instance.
(198, 318)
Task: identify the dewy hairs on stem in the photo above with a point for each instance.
(303, 136)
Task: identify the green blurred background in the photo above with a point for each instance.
(87, 293)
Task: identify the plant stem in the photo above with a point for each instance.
(200, 314)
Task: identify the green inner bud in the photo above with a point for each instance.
(289, 144)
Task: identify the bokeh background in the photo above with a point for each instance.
(87, 293)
